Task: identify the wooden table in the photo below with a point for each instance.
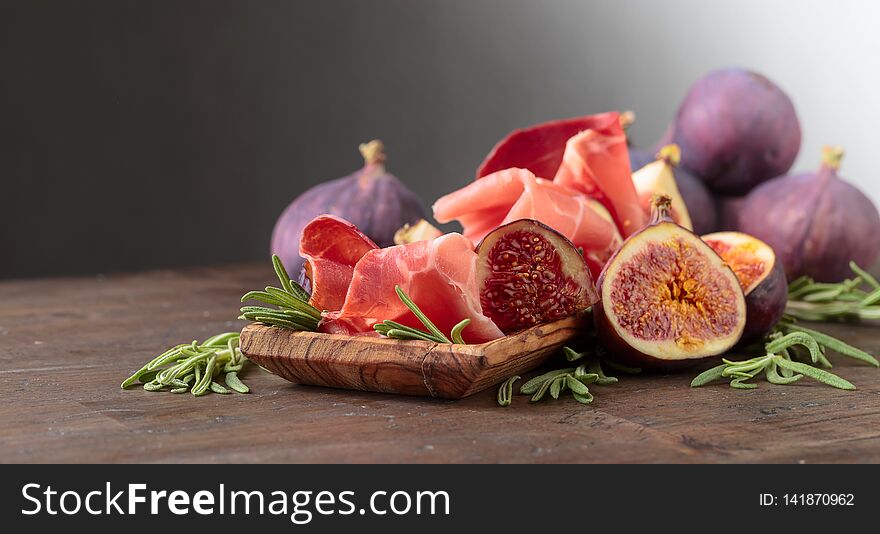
(66, 344)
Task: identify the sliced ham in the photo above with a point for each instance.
(596, 162)
(440, 277)
(514, 194)
(331, 247)
(539, 148)
(588, 154)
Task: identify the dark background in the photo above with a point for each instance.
(138, 135)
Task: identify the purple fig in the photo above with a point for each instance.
(816, 222)
(736, 129)
(761, 276)
(376, 202)
(697, 198)
(667, 299)
(728, 209)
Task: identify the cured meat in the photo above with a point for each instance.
(440, 277)
(539, 148)
(331, 247)
(514, 194)
(588, 154)
(596, 162)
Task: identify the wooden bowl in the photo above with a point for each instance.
(385, 365)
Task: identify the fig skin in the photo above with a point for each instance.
(373, 200)
(697, 197)
(816, 222)
(765, 300)
(624, 351)
(728, 209)
(736, 129)
(571, 263)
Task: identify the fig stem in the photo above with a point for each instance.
(671, 154)
(832, 156)
(373, 152)
(661, 208)
(627, 118)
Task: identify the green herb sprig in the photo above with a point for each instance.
(194, 367)
(855, 298)
(292, 310)
(780, 364)
(396, 330)
(574, 379)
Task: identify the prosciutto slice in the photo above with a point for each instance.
(539, 148)
(596, 162)
(331, 247)
(440, 277)
(513, 194)
(587, 154)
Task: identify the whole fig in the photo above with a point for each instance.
(728, 209)
(696, 197)
(816, 222)
(373, 200)
(736, 129)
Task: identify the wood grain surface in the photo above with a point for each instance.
(66, 344)
(420, 368)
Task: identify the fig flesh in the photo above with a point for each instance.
(761, 277)
(816, 222)
(420, 231)
(699, 202)
(529, 274)
(667, 299)
(736, 129)
(657, 178)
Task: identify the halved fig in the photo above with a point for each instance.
(762, 279)
(529, 274)
(657, 178)
(422, 230)
(666, 298)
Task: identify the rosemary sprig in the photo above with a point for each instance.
(855, 298)
(505, 392)
(292, 310)
(779, 364)
(194, 367)
(574, 379)
(396, 330)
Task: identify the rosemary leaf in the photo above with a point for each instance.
(870, 280)
(534, 384)
(457, 330)
(573, 355)
(739, 383)
(834, 344)
(281, 272)
(542, 390)
(709, 375)
(556, 386)
(576, 386)
(217, 388)
(817, 374)
(235, 383)
(505, 392)
(595, 366)
(396, 330)
(796, 338)
(421, 316)
(583, 399)
(774, 377)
